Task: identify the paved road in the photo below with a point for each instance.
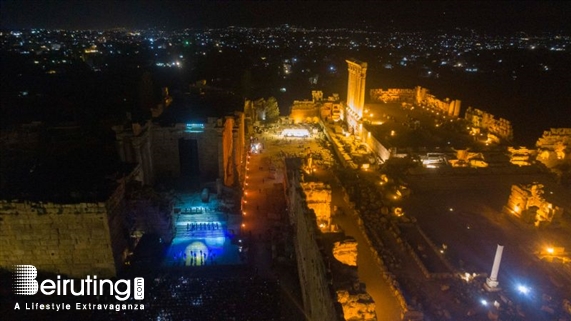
(263, 207)
(387, 307)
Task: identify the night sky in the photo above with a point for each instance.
(403, 15)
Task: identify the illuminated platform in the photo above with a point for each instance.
(295, 132)
(205, 234)
(204, 239)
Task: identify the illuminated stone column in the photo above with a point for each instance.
(451, 106)
(492, 282)
(457, 108)
(419, 94)
(356, 86)
(240, 146)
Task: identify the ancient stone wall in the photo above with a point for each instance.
(392, 95)
(318, 196)
(117, 223)
(554, 139)
(165, 153)
(208, 154)
(317, 295)
(446, 106)
(419, 96)
(381, 151)
(304, 111)
(240, 145)
(134, 146)
(220, 148)
(70, 239)
(527, 202)
(481, 119)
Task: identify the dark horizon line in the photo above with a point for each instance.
(363, 28)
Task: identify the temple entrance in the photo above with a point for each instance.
(188, 153)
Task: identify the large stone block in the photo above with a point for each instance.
(54, 236)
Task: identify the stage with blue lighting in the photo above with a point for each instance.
(204, 239)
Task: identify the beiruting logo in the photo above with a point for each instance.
(25, 283)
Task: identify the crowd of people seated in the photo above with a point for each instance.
(180, 297)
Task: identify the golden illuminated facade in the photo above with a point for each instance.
(528, 203)
(355, 91)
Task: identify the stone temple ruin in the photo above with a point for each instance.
(318, 197)
(356, 305)
(554, 151)
(528, 203)
(554, 144)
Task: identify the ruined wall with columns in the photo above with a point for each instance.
(554, 145)
(134, 146)
(501, 127)
(527, 202)
(392, 95)
(418, 96)
(447, 106)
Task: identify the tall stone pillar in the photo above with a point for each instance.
(450, 110)
(419, 94)
(457, 108)
(492, 282)
(356, 86)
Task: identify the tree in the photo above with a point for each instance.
(272, 110)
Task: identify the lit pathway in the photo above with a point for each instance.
(387, 306)
(262, 206)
